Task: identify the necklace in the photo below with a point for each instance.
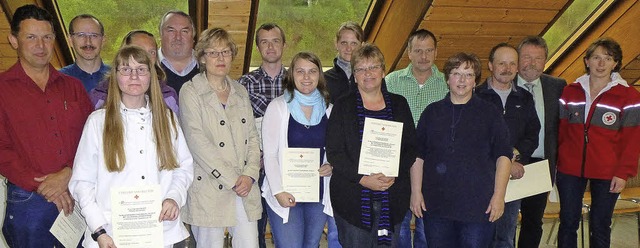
(454, 124)
(224, 87)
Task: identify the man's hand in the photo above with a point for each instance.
(417, 204)
(377, 181)
(517, 170)
(64, 202)
(617, 185)
(105, 241)
(243, 186)
(170, 210)
(325, 170)
(286, 200)
(496, 208)
(54, 184)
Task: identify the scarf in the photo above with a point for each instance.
(367, 196)
(315, 100)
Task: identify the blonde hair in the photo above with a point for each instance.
(113, 134)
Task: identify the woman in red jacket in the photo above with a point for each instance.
(598, 143)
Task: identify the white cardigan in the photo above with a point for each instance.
(91, 183)
(275, 126)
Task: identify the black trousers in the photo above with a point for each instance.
(532, 210)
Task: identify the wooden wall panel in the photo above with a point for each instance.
(515, 4)
(233, 16)
(491, 15)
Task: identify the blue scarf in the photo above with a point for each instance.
(315, 100)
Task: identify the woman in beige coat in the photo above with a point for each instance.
(219, 127)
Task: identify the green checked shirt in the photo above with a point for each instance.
(403, 83)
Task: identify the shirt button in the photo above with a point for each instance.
(222, 123)
(243, 120)
(141, 127)
(220, 186)
(199, 178)
(245, 142)
(141, 114)
(141, 151)
(48, 101)
(52, 118)
(142, 177)
(221, 144)
(142, 119)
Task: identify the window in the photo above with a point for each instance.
(119, 17)
(309, 25)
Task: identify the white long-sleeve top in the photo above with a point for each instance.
(91, 183)
(275, 127)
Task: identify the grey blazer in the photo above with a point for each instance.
(551, 91)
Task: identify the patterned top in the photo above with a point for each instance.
(402, 82)
(262, 88)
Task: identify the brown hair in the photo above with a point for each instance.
(611, 47)
(470, 59)
(113, 134)
(290, 84)
(353, 27)
(365, 52)
(211, 37)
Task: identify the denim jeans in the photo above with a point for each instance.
(304, 228)
(419, 240)
(28, 219)
(354, 236)
(571, 191)
(262, 222)
(445, 233)
(332, 233)
(506, 226)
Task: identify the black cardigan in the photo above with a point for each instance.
(343, 152)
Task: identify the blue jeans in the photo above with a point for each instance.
(506, 226)
(445, 233)
(419, 240)
(332, 233)
(571, 191)
(262, 222)
(28, 219)
(304, 228)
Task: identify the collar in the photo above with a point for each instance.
(264, 73)
(142, 111)
(521, 82)
(344, 65)
(616, 79)
(17, 72)
(192, 64)
(408, 72)
(513, 85)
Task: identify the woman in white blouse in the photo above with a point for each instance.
(133, 141)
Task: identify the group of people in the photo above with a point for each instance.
(172, 116)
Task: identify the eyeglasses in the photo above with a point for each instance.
(373, 68)
(463, 75)
(83, 35)
(140, 71)
(215, 54)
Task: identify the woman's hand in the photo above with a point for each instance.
(243, 186)
(286, 200)
(377, 181)
(617, 185)
(417, 204)
(326, 170)
(170, 210)
(496, 208)
(105, 241)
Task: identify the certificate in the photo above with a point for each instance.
(380, 151)
(300, 175)
(69, 229)
(536, 180)
(134, 217)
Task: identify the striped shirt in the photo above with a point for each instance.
(402, 82)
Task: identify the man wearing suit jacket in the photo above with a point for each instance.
(546, 91)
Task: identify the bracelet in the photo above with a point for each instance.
(97, 234)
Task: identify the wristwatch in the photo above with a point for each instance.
(97, 234)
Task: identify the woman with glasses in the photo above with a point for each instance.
(597, 143)
(221, 133)
(368, 208)
(133, 141)
(146, 41)
(463, 147)
(297, 119)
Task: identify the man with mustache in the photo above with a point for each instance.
(177, 34)
(86, 36)
(42, 113)
(421, 83)
(546, 91)
(519, 112)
